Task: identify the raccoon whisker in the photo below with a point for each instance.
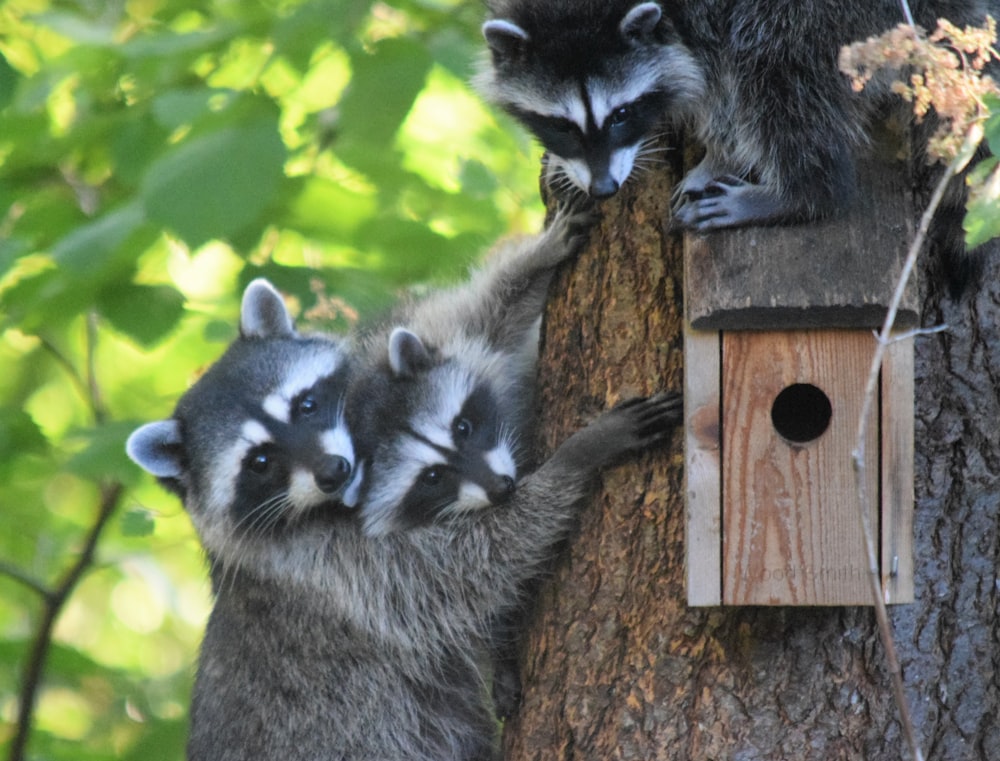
(266, 515)
(510, 439)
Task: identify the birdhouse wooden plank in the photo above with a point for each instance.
(778, 346)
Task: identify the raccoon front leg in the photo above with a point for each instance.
(520, 536)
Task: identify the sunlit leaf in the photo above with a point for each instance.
(8, 81)
(216, 183)
(327, 207)
(144, 312)
(103, 453)
(18, 434)
(137, 523)
(384, 85)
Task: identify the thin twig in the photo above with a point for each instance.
(63, 361)
(94, 390)
(42, 643)
(908, 334)
(907, 13)
(35, 585)
(881, 346)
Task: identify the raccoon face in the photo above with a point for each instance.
(593, 90)
(259, 444)
(445, 447)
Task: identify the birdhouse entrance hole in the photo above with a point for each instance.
(801, 413)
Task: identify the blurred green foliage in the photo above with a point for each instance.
(155, 156)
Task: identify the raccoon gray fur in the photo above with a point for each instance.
(598, 80)
(328, 643)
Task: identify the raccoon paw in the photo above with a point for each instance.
(634, 425)
(695, 183)
(652, 418)
(571, 226)
(729, 201)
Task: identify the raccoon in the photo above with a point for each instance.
(596, 81)
(459, 368)
(332, 643)
(258, 448)
(456, 373)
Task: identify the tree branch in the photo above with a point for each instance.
(35, 585)
(53, 604)
(55, 598)
(864, 510)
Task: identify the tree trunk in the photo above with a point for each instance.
(617, 666)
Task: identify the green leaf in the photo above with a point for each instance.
(135, 144)
(179, 107)
(216, 182)
(170, 44)
(384, 85)
(147, 313)
(89, 247)
(326, 207)
(9, 79)
(163, 741)
(137, 523)
(19, 434)
(991, 129)
(103, 454)
(78, 28)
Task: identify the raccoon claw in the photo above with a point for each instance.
(655, 416)
(727, 201)
(573, 224)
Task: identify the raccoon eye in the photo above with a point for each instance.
(307, 405)
(259, 462)
(619, 116)
(463, 428)
(432, 476)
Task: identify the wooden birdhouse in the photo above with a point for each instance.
(778, 345)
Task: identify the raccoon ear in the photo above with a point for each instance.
(263, 313)
(640, 22)
(407, 354)
(505, 39)
(158, 448)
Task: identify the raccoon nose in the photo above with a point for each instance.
(502, 490)
(332, 474)
(603, 187)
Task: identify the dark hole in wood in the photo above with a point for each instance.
(801, 413)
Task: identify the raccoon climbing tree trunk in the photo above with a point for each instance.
(616, 665)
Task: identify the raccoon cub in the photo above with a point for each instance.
(259, 452)
(455, 376)
(596, 80)
(456, 373)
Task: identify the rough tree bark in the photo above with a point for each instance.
(617, 666)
